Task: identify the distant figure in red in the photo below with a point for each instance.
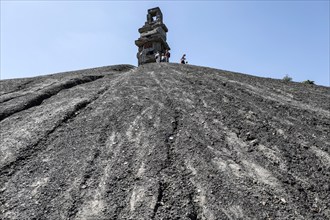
(167, 56)
(183, 59)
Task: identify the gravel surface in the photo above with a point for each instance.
(163, 141)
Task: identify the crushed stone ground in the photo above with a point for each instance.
(163, 141)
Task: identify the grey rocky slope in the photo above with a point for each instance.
(163, 141)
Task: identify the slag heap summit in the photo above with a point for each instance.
(152, 37)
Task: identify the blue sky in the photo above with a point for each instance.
(261, 38)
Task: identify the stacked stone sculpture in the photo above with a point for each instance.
(152, 37)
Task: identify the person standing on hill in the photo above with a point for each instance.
(157, 56)
(163, 59)
(167, 56)
(183, 59)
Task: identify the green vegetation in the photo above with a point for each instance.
(287, 78)
(310, 82)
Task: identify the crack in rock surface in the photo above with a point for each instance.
(163, 141)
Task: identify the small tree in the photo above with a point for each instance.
(287, 78)
(310, 82)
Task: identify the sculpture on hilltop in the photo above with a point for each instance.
(152, 37)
